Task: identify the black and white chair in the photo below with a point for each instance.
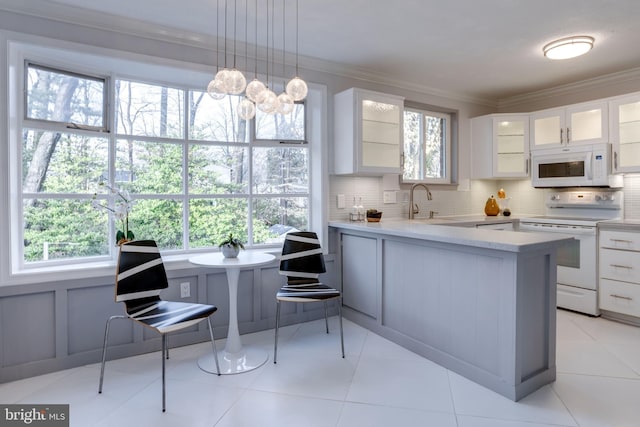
(140, 277)
(302, 262)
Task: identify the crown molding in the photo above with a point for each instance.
(337, 69)
(103, 21)
(570, 88)
(133, 27)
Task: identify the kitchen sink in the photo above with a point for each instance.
(431, 221)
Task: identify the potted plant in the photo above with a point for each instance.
(231, 246)
(119, 209)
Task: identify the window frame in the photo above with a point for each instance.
(317, 181)
(449, 117)
(106, 90)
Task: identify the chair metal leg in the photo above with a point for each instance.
(275, 347)
(167, 347)
(164, 349)
(213, 344)
(326, 317)
(340, 316)
(104, 349)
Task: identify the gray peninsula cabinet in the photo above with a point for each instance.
(478, 302)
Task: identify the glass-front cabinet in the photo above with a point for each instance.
(625, 133)
(500, 146)
(585, 123)
(368, 132)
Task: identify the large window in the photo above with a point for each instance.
(427, 146)
(194, 170)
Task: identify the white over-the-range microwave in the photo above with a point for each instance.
(576, 166)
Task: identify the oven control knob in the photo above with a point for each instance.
(555, 197)
(599, 197)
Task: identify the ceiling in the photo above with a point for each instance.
(488, 49)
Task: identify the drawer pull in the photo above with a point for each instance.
(621, 241)
(621, 266)
(621, 297)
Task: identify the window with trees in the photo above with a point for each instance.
(194, 170)
(427, 146)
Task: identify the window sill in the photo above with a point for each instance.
(102, 269)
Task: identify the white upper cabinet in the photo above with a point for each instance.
(585, 123)
(500, 146)
(367, 132)
(625, 132)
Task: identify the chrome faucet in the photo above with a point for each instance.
(413, 208)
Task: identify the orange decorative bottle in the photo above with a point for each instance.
(491, 208)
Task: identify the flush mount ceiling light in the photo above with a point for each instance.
(568, 47)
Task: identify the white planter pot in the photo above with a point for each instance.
(230, 251)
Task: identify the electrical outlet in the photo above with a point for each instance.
(185, 290)
(389, 197)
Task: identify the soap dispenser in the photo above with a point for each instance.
(353, 215)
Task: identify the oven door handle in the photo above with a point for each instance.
(556, 229)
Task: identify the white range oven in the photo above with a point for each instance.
(575, 213)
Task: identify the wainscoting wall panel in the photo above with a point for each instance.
(50, 326)
(28, 328)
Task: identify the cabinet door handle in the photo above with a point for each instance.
(621, 240)
(628, 267)
(526, 166)
(621, 297)
(402, 160)
(568, 139)
(561, 133)
(615, 160)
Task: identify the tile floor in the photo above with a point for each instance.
(378, 384)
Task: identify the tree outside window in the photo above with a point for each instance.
(427, 146)
(196, 171)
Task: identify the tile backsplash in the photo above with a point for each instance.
(632, 196)
(445, 202)
(524, 199)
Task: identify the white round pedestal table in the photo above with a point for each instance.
(235, 358)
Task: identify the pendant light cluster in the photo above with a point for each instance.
(257, 95)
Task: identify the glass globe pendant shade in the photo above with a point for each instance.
(254, 89)
(285, 103)
(235, 82)
(222, 77)
(216, 89)
(297, 89)
(246, 109)
(268, 102)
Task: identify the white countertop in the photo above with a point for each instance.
(455, 233)
(625, 224)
